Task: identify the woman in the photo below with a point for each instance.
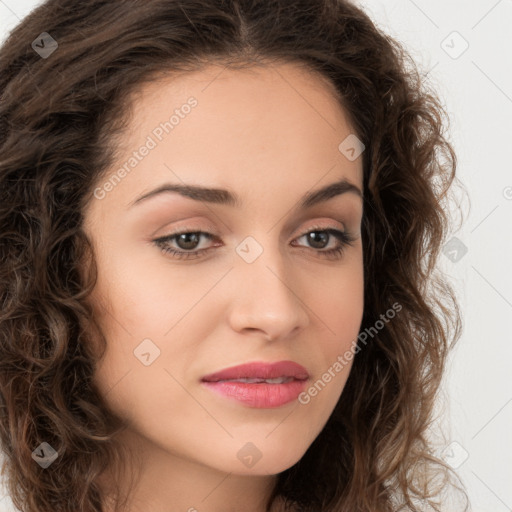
(219, 229)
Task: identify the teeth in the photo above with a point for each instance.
(277, 380)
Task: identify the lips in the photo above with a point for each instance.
(282, 371)
(259, 385)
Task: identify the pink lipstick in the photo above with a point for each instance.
(259, 384)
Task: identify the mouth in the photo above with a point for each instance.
(260, 385)
(277, 380)
(272, 373)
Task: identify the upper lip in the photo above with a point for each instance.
(260, 370)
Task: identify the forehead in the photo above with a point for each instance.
(279, 125)
(269, 97)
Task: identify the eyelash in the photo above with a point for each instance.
(344, 237)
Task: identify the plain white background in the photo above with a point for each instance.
(466, 49)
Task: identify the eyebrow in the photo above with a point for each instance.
(225, 197)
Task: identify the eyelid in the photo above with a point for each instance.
(209, 229)
(185, 226)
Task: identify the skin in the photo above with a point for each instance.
(269, 134)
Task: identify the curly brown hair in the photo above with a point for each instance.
(60, 116)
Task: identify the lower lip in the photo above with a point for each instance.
(262, 395)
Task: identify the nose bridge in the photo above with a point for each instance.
(263, 297)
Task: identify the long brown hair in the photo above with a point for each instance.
(60, 115)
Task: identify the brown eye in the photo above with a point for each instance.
(184, 244)
(318, 239)
(188, 241)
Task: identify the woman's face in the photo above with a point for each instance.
(261, 286)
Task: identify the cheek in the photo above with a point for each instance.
(144, 297)
(340, 309)
(143, 309)
(339, 305)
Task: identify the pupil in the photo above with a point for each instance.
(188, 240)
(314, 236)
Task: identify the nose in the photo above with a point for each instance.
(264, 299)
